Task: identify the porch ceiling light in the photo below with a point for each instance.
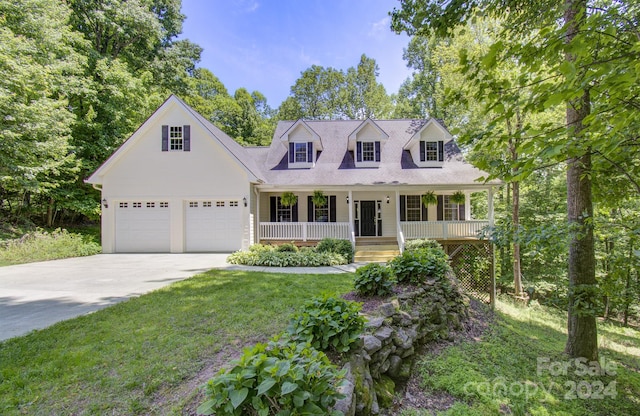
(387, 199)
(244, 201)
(104, 203)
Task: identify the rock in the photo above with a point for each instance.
(387, 309)
(384, 333)
(408, 352)
(347, 405)
(394, 366)
(374, 323)
(385, 390)
(371, 344)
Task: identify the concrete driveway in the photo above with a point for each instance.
(36, 295)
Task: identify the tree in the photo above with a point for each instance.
(362, 96)
(39, 68)
(317, 92)
(580, 51)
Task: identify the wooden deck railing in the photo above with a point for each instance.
(442, 230)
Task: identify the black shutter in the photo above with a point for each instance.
(291, 153)
(423, 151)
(425, 211)
(332, 208)
(377, 145)
(273, 209)
(440, 151)
(186, 131)
(440, 208)
(310, 209)
(359, 151)
(403, 207)
(310, 152)
(294, 212)
(165, 138)
(461, 212)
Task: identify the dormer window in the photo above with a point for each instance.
(301, 154)
(431, 151)
(367, 153)
(176, 138)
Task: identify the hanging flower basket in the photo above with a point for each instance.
(458, 198)
(429, 198)
(319, 199)
(288, 199)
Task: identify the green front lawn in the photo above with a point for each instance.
(140, 356)
(518, 368)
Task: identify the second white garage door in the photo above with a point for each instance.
(213, 225)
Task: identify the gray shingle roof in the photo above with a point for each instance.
(335, 164)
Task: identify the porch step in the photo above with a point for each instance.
(378, 251)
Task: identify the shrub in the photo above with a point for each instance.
(373, 279)
(41, 245)
(287, 248)
(422, 243)
(275, 378)
(415, 266)
(273, 258)
(334, 245)
(328, 323)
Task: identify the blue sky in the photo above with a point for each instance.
(264, 45)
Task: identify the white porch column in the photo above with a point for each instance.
(467, 206)
(350, 204)
(490, 206)
(257, 219)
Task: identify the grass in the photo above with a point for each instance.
(41, 245)
(516, 369)
(129, 358)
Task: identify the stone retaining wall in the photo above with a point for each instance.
(383, 357)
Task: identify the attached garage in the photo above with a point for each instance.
(142, 227)
(213, 225)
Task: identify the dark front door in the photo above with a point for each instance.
(368, 218)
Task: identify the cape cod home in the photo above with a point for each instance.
(180, 184)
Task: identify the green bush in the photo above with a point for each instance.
(41, 245)
(422, 243)
(280, 378)
(415, 266)
(328, 323)
(373, 279)
(333, 245)
(287, 248)
(273, 258)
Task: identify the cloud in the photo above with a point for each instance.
(247, 6)
(380, 28)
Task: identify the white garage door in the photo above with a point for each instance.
(213, 225)
(142, 227)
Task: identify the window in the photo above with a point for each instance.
(414, 208)
(431, 151)
(451, 211)
(151, 204)
(124, 205)
(220, 204)
(368, 152)
(233, 203)
(164, 205)
(137, 204)
(206, 204)
(300, 151)
(175, 138)
(193, 204)
(283, 214)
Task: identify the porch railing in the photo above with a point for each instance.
(442, 230)
(296, 231)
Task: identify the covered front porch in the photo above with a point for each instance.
(385, 213)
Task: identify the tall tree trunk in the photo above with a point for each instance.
(582, 340)
(517, 275)
(50, 206)
(627, 288)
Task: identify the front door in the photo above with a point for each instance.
(368, 218)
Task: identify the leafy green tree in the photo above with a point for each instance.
(577, 58)
(362, 95)
(317, 92)
(39, 69)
